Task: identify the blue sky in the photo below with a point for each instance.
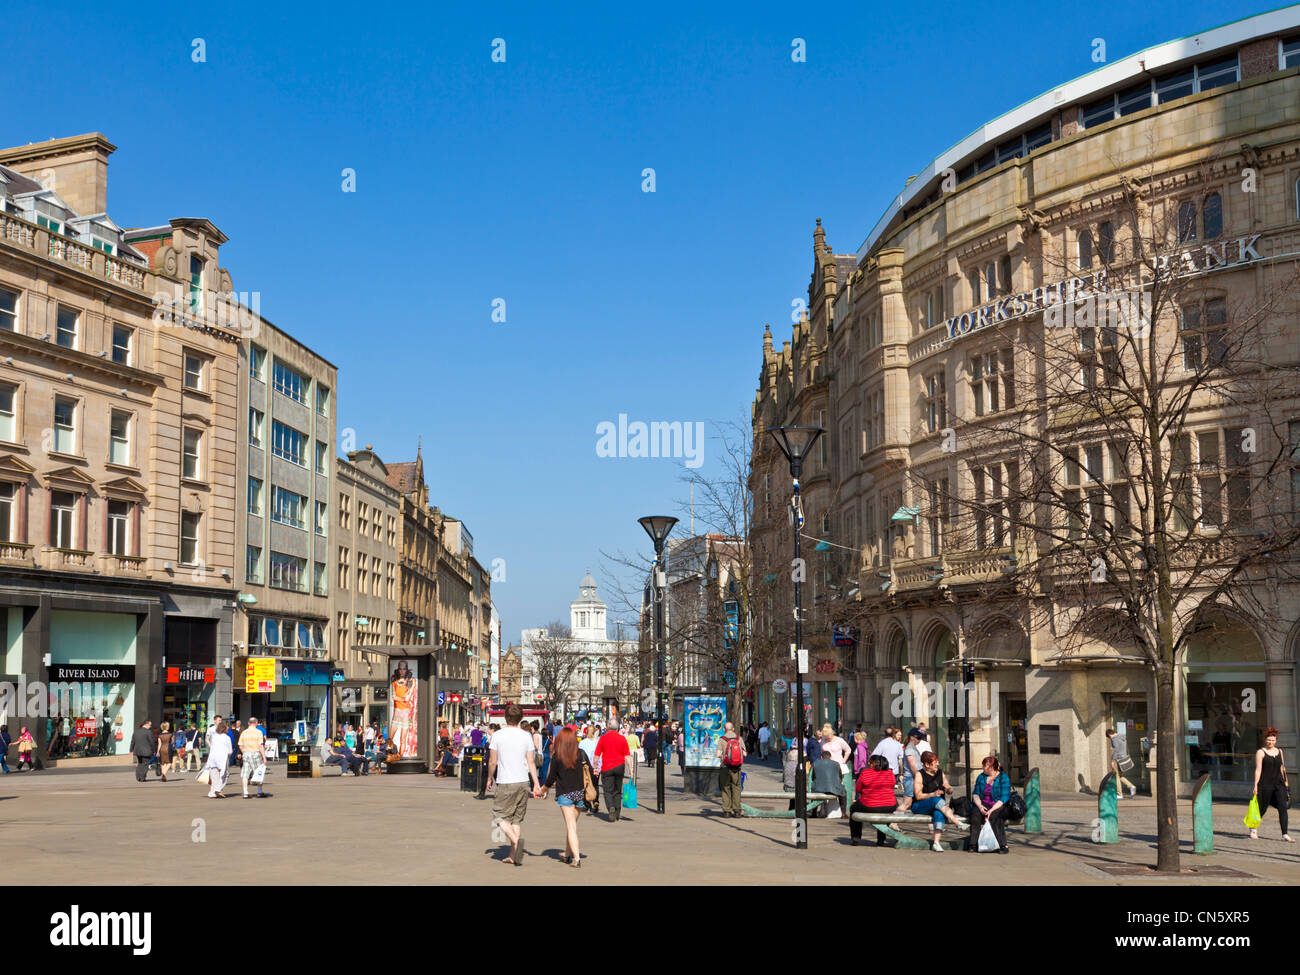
(522, 181)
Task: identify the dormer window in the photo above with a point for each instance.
(196, 284)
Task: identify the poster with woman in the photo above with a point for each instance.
(403, 710)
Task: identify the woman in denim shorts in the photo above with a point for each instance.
(568, 762)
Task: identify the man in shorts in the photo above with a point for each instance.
(510, 770)
(253, 745)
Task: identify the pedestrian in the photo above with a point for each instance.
(569, 773)
(510, 770)
(193, 749)
(861, 752)
(252, 745)
(233, 731)
(731, 753)
(764, 736)
(26, 749)
(614, 760)
(911, 766)
(931, 793)
(989, 798)
(5, 741)
(874, 793)
(828, 777)
(142, 747)
(892, 749)
(218, 766)
(634, 747)
(836, 748)
(1271, 786)
(650, 744)
(1120, 762)
(681, 750)
(164, 749)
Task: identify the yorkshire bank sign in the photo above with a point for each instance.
(1195, 260)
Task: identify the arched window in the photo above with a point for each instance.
(1186, 222)
(1085, 249)
(1213, 216)
(1297, 197)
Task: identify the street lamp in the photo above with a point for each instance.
(796, 443)
(658, 527)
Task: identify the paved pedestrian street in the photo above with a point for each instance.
(102, 827)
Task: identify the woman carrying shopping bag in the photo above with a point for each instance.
(1270, 784)
(215, 771)
(989, 798)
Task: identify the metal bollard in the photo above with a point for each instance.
(1203, 817)
(1108, 809)
(1033, 804)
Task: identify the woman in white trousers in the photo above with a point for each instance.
(219, 749)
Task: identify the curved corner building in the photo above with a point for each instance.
(937, 325)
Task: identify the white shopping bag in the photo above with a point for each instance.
(988, 842)
(498, 834)
(258, 776)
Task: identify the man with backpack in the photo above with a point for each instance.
(731, 752)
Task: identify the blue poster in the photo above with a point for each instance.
(705, 718)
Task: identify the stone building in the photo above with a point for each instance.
(367, 605)
(511, 675)
(118, 352)
(943, 320)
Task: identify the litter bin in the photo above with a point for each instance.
(473, 769)
(298, 761)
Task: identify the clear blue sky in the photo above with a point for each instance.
(522, 180)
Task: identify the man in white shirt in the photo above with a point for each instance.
(764, 736)
(510, 769)
(890, 747)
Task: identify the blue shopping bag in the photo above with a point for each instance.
(629, 795)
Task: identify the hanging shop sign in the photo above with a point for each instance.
(189, 674)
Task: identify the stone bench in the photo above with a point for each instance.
(814, 799)
(884, 821)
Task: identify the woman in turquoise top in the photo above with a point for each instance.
(989, 797)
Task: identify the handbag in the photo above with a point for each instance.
(1016, 808)
(588, 786)
(1125, 763)
(203, 776)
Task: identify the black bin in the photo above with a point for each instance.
(298, 761)
(473, 769)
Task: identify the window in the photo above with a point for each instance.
(51, 225)
(1213, 216)
(873, 433)
(363, 577)
(322, 517)
(122, 345)
(1040, 136)
(1011, 149)
(288, 507)
(1216, 73)
(318, 579)
(1186, 222)
(322, 457)
(119, 523)
(1290, 54)
(1203, 331)
(102, 245)
(257, 363)
(287, 442)
(1106, 243)
(1135, 99)
(343, 566)
(119, 437)
(934, 307)
(256, 419)
(1085, 249)
(285, 380)
(8, 412)
(193, 372)
(992, 380)
(67, 327)
(287, 572)
(8, 310)
(1175, 86)
(255, 496)
(65, 425)
(1236, 478)
(253, 567)
(1297, 198)
(1098, 112)
(190, 537)
(936, 402)
(63, 509)
(322, 400)
(191, 462)
(874, 334)
(363, 523)
(196, 284)
(7, 512)
(938, 513)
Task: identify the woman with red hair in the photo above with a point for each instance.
(1270, 782)
(568, 764)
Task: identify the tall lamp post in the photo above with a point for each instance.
(796, 443)
(658, 527)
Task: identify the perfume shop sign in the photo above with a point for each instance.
(1194, 260)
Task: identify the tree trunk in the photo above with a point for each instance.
(1167, 857)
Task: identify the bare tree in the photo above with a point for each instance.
(555, 661)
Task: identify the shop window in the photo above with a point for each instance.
(1226, 707)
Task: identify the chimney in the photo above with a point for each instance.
(76, 168)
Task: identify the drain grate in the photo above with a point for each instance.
(1209, 871)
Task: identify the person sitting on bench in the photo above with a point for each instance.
(931, 790)
(875, 794)
(992, 791)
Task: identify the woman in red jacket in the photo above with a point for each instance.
(875, 794)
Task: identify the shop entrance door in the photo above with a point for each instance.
(1015, 731)
(1128, 716)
